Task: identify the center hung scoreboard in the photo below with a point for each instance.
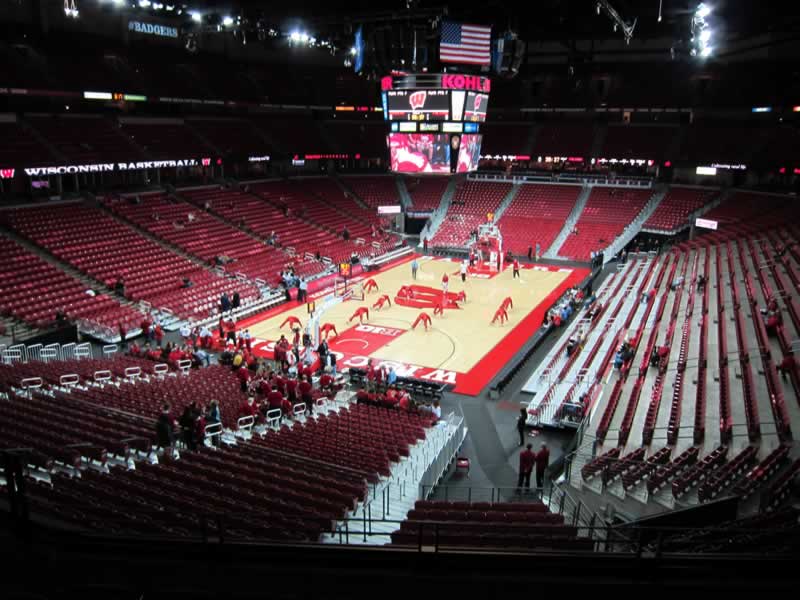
(435, 121)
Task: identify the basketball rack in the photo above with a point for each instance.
(342, 288)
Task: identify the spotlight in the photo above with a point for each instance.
(295, 36)
(227, 21)
(703, 10)
(144, 3)
(706, 52)
(304, 37)
(353, 51)
(705, 36)
(598, 8)
(196, 17)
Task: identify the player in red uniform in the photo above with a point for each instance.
(370, 285)
(462, 296)
(500, 314)
(445, 282)
(326, 329)
(405, 292)
(516, 268)
(438, 309)
(292, 321)
(507, 303)
(423, 318)
(360, 312)
(381, 301)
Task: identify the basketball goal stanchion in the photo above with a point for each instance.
(486, 251)
(342, 290)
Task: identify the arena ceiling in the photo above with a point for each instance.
(542, 19)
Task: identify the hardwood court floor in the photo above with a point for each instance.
(462, 347)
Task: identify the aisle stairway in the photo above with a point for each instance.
(569, 224)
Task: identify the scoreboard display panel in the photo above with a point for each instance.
(469, 153)
(418, 105)
(475, 108)
(434, 121)
(419, 152)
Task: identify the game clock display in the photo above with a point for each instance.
(418, 105)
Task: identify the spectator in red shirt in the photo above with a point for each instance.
(122, 333)
(248, 408)
(291, 389)
(304, 388)
(326, 381)
(773, 321)
(516, 273)
(175, 355)
(391, 397)
(145, 325)
(542, 462)
(787, 365)
(405, 401)
(527, 458)
(158, 332)
(134, 349)
(244, 378)
(275, 398)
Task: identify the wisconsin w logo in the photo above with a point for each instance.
(417, 100)
(6, 173)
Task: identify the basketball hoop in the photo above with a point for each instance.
(488, 247)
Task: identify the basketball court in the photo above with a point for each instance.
(461, 347)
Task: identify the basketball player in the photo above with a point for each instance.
(370, 285)
(438, 310)
(507, 303)
(326, 329)
(445, 282)
(381, 301)
(405, 292)
(500, 314)
(423, 318)
(292, 321)
(516, 268)
(360, 312)
(464, 265)
(462, 296)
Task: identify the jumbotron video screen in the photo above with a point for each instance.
(435, 121)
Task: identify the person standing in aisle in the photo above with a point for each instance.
(527, 458)
(523, 417)
(542, 462)
(414, 269)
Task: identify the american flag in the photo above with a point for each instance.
(463, 43)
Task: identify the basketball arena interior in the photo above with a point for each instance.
(323, 299)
